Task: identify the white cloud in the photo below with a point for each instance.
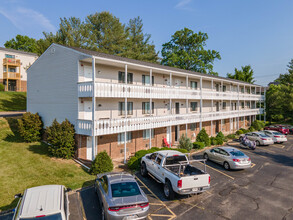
(183, 4)
(25, 18)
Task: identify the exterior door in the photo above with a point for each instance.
(177, 106)
(169, 135)
(176, 133)
(89, 151)
(87, 73)
(87, 110)
(217, 106)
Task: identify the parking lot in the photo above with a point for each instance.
(262, 192)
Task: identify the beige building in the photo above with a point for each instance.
(13, 66)
(150, 106)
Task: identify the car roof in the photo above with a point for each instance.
(42, 200)
(229, 149)
(119, 177)
(169, 152)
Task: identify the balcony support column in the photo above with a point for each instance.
(200, 123)
(94, 151)
(125, 107)
(238, 107)
(186, 125)
(264, 106)
(151, 107)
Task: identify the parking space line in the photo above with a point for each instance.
(173, 214)
(278, 146)
(267, 150)
(252, 165)
(155, 203)
(161, 215)
(219, 171)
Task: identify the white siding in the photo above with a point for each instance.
(52, 85)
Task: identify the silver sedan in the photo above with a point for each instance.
(276, 136)
(229, 157)
(260, 138)
(120, 197)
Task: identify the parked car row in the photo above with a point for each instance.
(265, 137)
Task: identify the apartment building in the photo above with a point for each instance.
(150, 106)
(13, 66)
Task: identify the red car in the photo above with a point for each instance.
(279, 128)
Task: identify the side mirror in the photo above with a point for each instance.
(17, 195)
(68, 189)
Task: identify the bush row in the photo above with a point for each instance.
(255, 126)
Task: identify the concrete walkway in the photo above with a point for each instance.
(12, 113)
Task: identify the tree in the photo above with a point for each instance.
(245, 74)
(61, 139)
(30, 127)
(22, 42)
(102, 163)
(287, 78)
(138, 46)
(186, 50)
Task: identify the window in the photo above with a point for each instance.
(242, 104)
(193, 85)
(146, 108)
(242, 90)
(247, 118)
(10, 56)
(153, 156)
(146, 133)
(193, 126)
(248, 90)
(224, 105)
(159, 159)
(121, 137)
(232, 105)
(121, 108)
(217, 87)
(193, 106)
(124, 189)
(224, 88)
(248, 104)
(104, 183)
(121, 77)
(146, 80)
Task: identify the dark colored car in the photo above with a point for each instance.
(290, 127)
(279, 128)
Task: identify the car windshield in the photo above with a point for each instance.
(125, 189)
(237, 153)
(283, 127)
(175, 159)
(262, 135)
(45, 217)
(277, 133)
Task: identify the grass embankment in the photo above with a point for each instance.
(24, 165)
(12, 101)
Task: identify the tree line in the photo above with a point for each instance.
(103, 32)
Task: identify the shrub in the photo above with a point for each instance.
(231, 136)
(133, 163)
(239, 132)
(244, 130)
(213, 141)
(221, 136)
(2, 87)
(258, 125)
(219, 140)
(102, 163)
(202, 136)
(250, 129)
(198, 145)
(30, 127)
(61, 138)
(185, 143)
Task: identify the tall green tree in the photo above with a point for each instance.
(106, 33)
(244, 74)
(186, 50)
(22, 42)
(138, 43)
(279, 98)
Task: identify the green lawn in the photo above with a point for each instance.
(24, 165)
(12, 101)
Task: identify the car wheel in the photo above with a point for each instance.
(143, 170)
(226, 166)
(168, 191)
(281, 142)
(240, 138)
(206, 156)
(257, 143)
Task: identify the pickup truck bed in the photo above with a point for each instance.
(187, 170)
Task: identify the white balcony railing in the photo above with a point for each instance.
(112, 126)
(119, 90)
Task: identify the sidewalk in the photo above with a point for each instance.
(12, 113)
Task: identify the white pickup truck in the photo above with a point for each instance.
(173, 169)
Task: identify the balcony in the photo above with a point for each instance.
(116, 90)
(11, 62)
(112, 126)
(11, 75)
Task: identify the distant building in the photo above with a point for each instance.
(13, 66)
(273, 83)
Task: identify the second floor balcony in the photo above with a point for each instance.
(112, 126)
(11, 75)
(11, 62)
(120, 90)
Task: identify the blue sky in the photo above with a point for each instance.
(255, 32)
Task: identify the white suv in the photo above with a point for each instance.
(45, 202)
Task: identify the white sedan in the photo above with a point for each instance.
(277, 136)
